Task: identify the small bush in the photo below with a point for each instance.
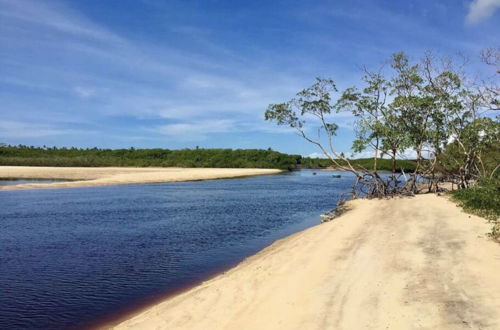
(483, 200)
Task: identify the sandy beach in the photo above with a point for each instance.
(104, 176)
(412, 263)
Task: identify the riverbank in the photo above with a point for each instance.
(402, 263)
(105, 176)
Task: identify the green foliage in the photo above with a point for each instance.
(379, 126)
(482, 199)
(222, 158)
(314, 101)
(476, 146)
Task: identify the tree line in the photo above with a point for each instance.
(383, 164)
(199, 157)
(22, 155)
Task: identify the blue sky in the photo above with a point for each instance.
(175, 74)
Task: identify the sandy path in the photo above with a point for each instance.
(415, 263)
(103, 176)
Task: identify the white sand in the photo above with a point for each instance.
(414, 263)
(103, 176)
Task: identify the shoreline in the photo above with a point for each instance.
(107, 176)
(112, 322)
(269, 286)
(115, 319)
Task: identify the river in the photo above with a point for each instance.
(71, 258)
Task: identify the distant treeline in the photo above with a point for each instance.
(360, 163)
(240, 158)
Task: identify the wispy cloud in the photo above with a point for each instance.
(480, 10)
(84, 92)
(15, 129)
(200, 130)
(67, 68)
(316, 155)
(135, 78)
(196, 131)
(55, 16)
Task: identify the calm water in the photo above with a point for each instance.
(71, 257)
(23, 181)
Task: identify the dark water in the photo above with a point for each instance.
(73, 257)
(6, 182)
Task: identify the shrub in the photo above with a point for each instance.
(484, 200)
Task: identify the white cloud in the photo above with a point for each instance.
(196, 131)
(162, 82)
(54, 16)
(362, 154)
(84, 92)
(16, 129)
(409, 154)
(481, 9)
(316, 155)
(199, 130)
(406, 154)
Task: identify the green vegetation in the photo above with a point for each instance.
(224, 158)
(483, 200)
(473, 155)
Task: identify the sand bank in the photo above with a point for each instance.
(413, 263)
(103, 176)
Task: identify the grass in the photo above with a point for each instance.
(483, 200)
